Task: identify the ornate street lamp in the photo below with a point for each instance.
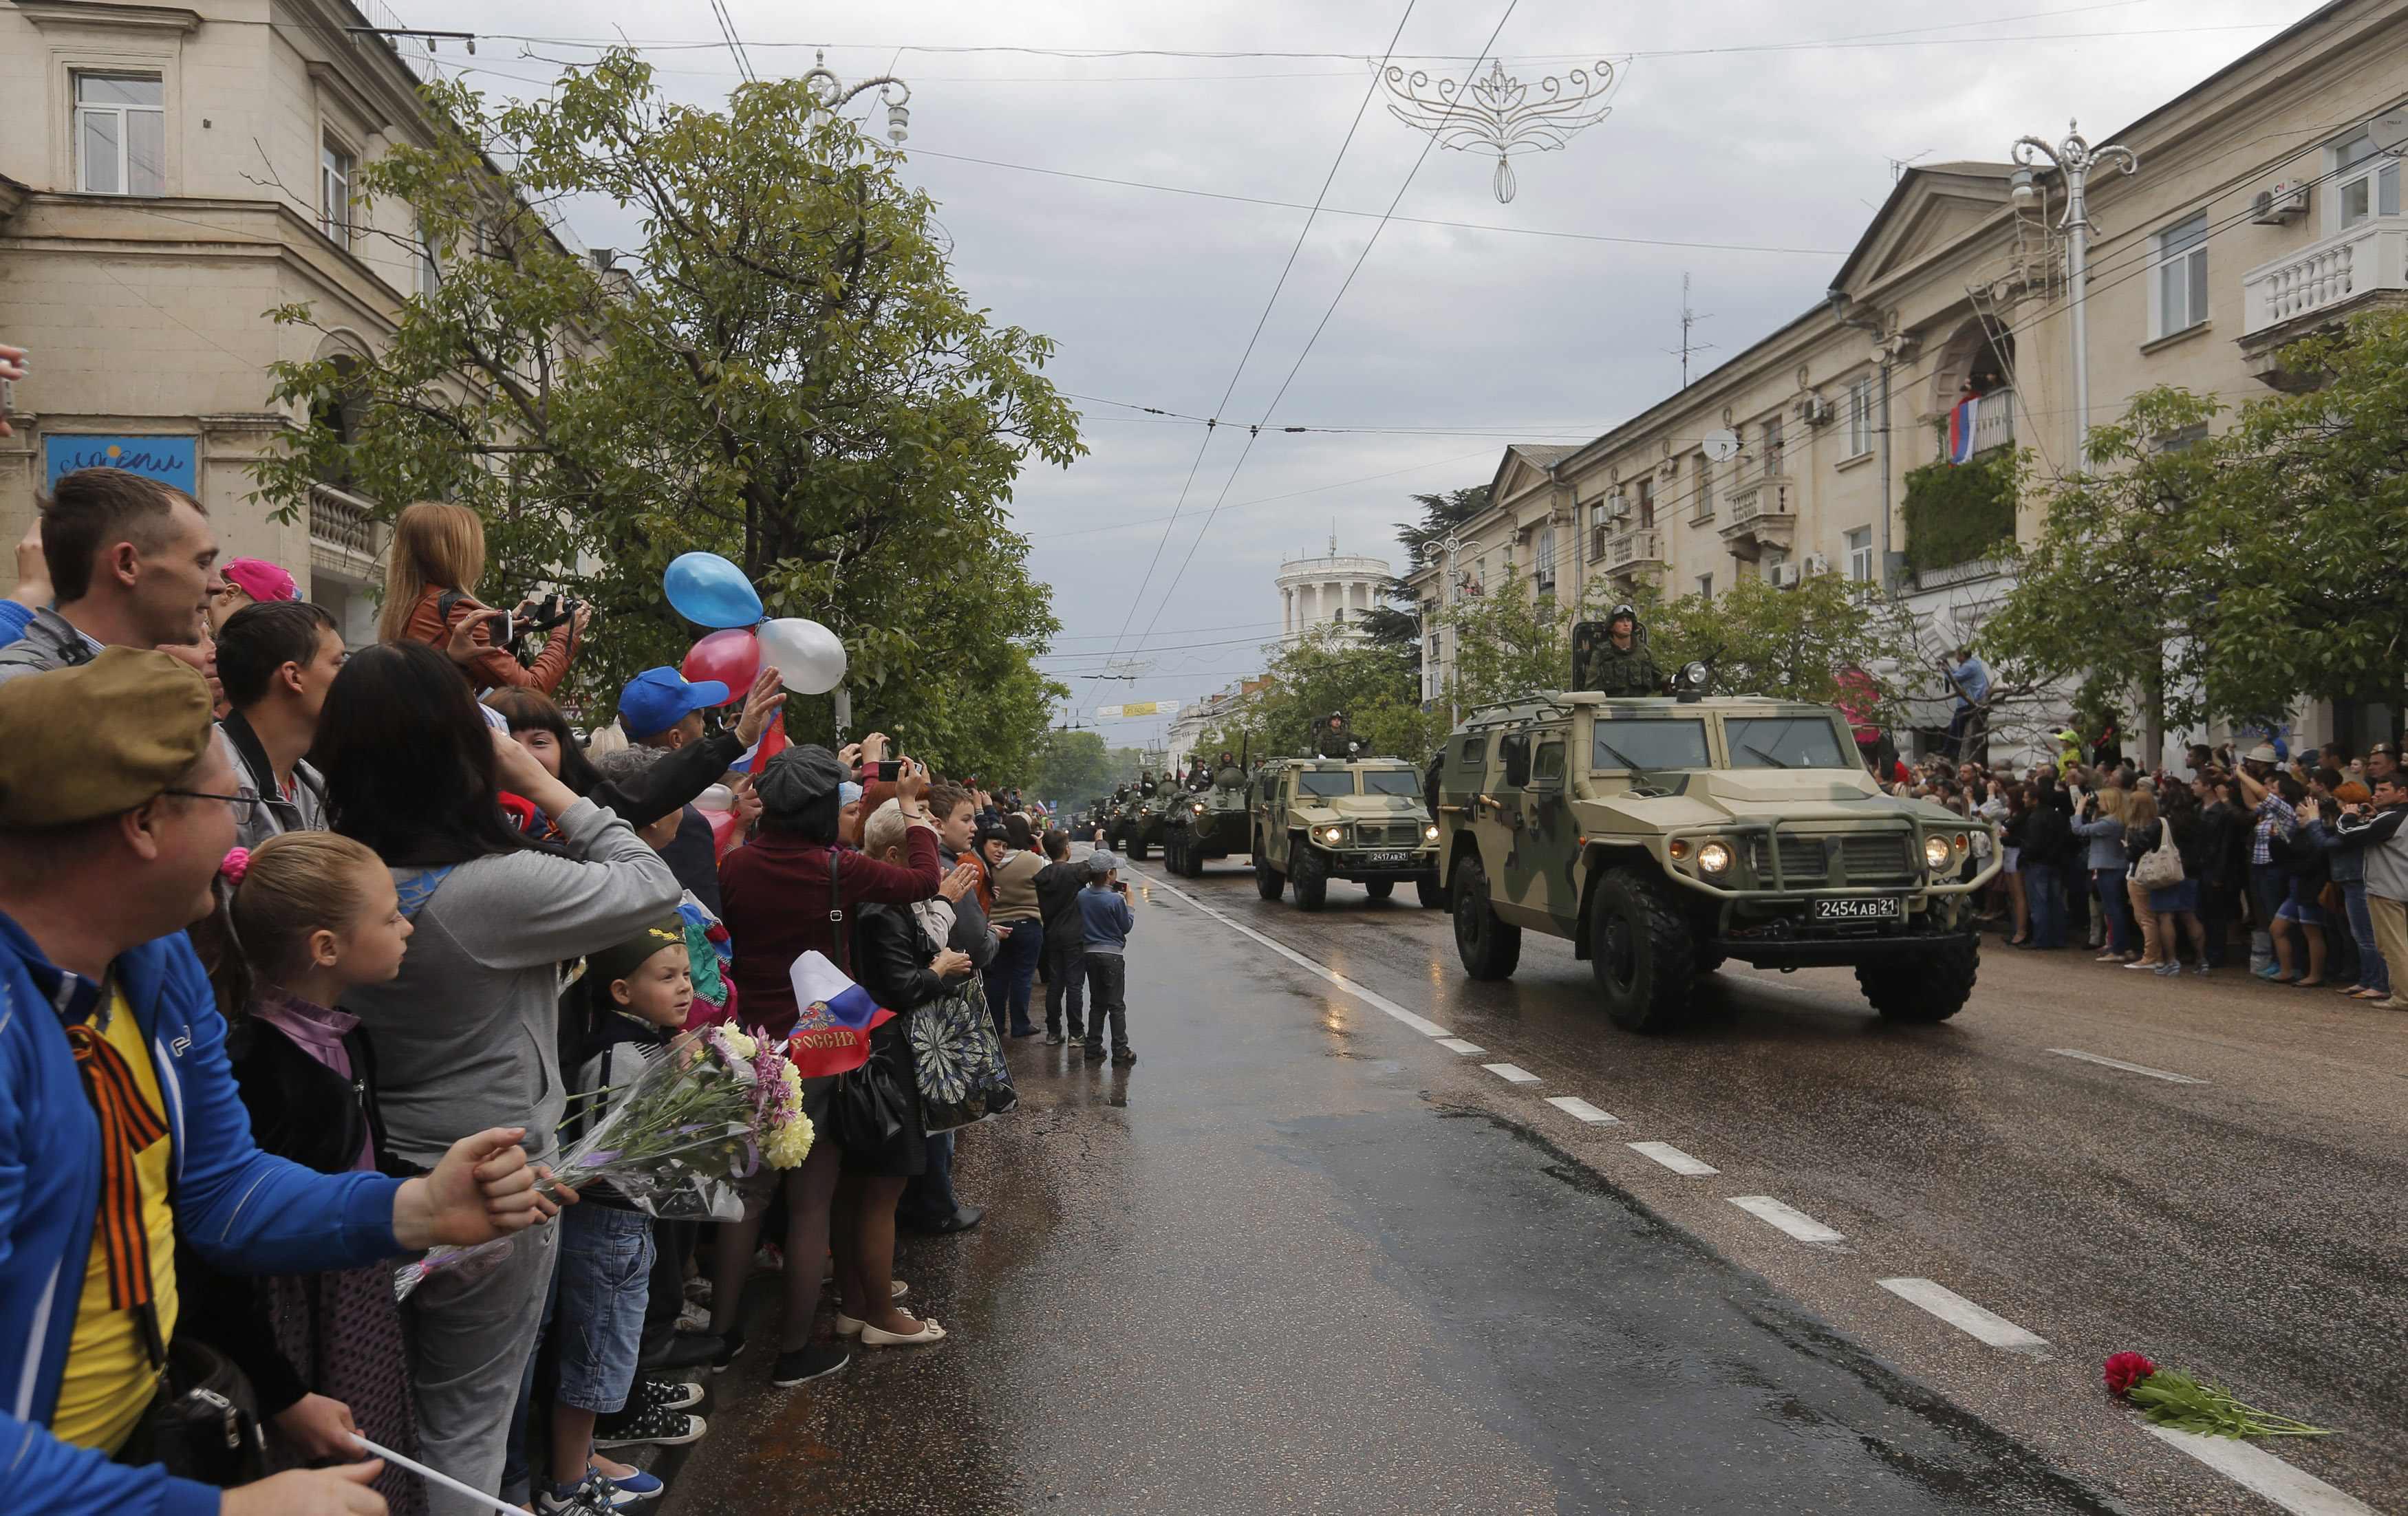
(2075, 158)
(1497, 114)
(832, 95)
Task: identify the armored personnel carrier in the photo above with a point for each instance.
(1210, 823)
(1314, 819)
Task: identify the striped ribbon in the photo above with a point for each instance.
(127, 1126)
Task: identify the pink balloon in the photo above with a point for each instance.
(733, 657)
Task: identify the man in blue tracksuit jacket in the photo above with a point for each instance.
(100, 865)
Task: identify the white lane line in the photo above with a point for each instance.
(1962, 1314)
(1511, 1073)
(1572, 1104)
(2255, 1469)
(2129, 1068)
(1457, 1044)
(1672, 1158)
(1787, 1218)
(1376, 1001)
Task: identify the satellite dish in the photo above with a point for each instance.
(1722, 445)
(2390, 130)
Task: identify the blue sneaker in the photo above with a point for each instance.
(624, 1490)
(2272, 971)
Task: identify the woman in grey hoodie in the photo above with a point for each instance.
(470, 1028)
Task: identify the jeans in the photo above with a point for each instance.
(1009, 978)
(2373, 972)
(471, 1334)
(1107, 996)
(1066, 981)
(2115, 906)
(2269, 887)
(2044, 890)
(606, 1272)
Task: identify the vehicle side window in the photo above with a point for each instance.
(1513, 753)
(1548, 765)
(1475, 749)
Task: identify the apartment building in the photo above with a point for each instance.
(2265, 205)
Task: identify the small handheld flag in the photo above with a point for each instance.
(831, 1034)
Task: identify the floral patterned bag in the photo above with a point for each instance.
(959, 1059)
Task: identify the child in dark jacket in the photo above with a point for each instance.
(1059, 884)
(1106, 920)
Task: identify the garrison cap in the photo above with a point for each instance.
(100, 737)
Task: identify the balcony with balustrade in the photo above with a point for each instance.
(2320, 286)
(1631, 552)
(1761, 512)
(345, 536)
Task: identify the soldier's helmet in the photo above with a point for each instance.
(1624, 612)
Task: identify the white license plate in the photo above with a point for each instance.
(1390, 860)
(1885, 909)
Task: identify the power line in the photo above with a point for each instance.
(1273, 499)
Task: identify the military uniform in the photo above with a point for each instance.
(1333, 741)
(1621, 671)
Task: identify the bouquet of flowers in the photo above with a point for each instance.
(2170, 1397)
(710, 1110)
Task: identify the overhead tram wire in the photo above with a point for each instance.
(1429, 141)
(1332, 178)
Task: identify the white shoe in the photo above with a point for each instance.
(847, 1327)
(873, 1337)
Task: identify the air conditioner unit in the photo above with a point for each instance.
(2279, 206)
(1617, 507)
(1784, 576)
(1817, 564)
(1815, 412)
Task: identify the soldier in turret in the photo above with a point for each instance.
(1620, 664)
(1227, 775)
(1334, 741)
(1145, 785)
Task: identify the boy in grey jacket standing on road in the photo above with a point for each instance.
(1104, 911)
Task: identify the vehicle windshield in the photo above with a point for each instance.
(1325, 781)
(1786, 742)
(1628, 743)
(1392, 782)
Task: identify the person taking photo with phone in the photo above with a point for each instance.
(430, 591)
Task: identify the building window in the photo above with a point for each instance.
(121, 133)
(430, 268)
(1860, 555)
(1705, 586)
(1860, 418)
(1701, 470)
(1601, 526)
(334, 191)
(1772, 446)
(1646, 501)
(2182, 275)
(1773, 559)
(2187, 437)
(2366, 180)
(1542, 563)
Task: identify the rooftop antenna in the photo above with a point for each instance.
(1689, 319)
(1898, 166)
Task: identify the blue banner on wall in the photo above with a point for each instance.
(168, 458)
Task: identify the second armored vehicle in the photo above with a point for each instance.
(1362, 819)
(1208, 823)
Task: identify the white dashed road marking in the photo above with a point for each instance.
(1572, 1104)
(2129, 1068)
(1961, 1313)
(1511, 1073)
(2254, 1468)
(1787, 1218)
(1672, 1158)
(1457, 1044)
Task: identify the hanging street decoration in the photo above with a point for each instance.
(1500, 115)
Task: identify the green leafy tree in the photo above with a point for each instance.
(1507, 641)
(1071, 766)
(782, 372)
(1321, 673)
(1789, 644)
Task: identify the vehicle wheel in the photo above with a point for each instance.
(1489, 948)
(1929, 987)
(1379, 889)
(1192, 859)
(1137, 847)
(1311, 878)
(1433, 893)
(1268, 882)
(1643, 950)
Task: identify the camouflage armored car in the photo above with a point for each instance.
(1662, 836)
(1360, 819)
(1208, 823)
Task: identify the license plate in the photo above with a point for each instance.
(1390, 860)
(1885, 909)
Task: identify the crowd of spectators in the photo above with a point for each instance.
(312, 958)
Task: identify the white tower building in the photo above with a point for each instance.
(1337, 589)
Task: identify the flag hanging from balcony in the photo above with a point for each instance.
(1960, 429)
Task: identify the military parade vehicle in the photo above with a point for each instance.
(1141, 821)
(1343, 816)
(1663, 836)
(1211, 823)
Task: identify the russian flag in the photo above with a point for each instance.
(756, 757)
(831, 1034)
(1960, 429)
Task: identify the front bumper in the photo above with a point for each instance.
(1766, 838)
(1835, 952)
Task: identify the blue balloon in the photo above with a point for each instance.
(708, 590)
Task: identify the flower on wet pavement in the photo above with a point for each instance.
(2170, 1397)
(2126, 1370)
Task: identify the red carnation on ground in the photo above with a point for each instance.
(2126, 1370)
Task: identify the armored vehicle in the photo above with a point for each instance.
(1664, 835)
(1208, 823)
(1141, 821)
(1362, 819)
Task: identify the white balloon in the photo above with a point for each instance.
(809, 658)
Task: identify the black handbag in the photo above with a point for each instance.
(204, 1426)
(868, 1109)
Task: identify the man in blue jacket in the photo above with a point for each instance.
(120, 1130)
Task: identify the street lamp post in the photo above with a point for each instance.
(2075, 158)
(832, 95)
(1453, 592)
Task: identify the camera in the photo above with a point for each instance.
(544, 614)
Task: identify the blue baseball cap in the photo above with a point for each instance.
(659, 698)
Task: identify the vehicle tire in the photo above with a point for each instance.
(1379, 889)
(1433, 893)
(1137, 847)
(1924, 988)
(1489, 948)
(1192, 856)
(1268, 882)
(1311, 878)
(1709, 958)
(1641, 948)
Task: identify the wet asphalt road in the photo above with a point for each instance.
(1304, 1258)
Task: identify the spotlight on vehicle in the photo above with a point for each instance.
(1714, 858)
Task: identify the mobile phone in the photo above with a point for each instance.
(889, 770)
(507, 629)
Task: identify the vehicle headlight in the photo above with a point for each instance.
(1714, 858)
(1197, 809)
(1332, 833)
(1935, 851)
(1430, 833)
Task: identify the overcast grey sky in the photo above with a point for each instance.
(1739, 122)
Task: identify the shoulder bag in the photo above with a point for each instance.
(2161, 867)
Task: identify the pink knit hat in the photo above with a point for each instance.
(261, 579)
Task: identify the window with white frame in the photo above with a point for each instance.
(1601, 526)
(1646, 500)
(1860, 418)
(1773, 559)
(430, 268)
(121, 133)
(335, 167)
(2181, 301)
(1772, 446)
(2366, 181)
(1543, 562)
(1860, 555)
(1705, 586)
